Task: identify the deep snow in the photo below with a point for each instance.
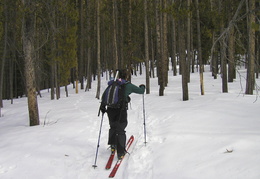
(215, 136)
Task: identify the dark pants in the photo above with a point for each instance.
(118, 123)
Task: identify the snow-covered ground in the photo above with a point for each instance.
(215, 136)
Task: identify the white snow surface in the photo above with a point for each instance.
(211, 136)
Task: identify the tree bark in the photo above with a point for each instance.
(146, 41)
(223, 63)
(199, 50)
(81, 46)
(173, 55)
(115, 34)
(89, 59)
(250, 81)
(231, 58)
(29, 57)
(165, 56)
(189, 54)
(159, 52)
(185, 92)
(3, 58)
(98, 50)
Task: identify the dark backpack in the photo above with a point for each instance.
(113, 96)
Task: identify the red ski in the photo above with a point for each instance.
(110, 160)
(118, 163)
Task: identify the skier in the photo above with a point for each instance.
(118, 116)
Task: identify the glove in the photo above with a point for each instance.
(142, 86)
(103, 108)
(128, 99)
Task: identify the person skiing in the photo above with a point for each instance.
(118, 116)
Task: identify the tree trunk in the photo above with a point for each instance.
(159, 53)
(189, 54)
(165, 56)
(173, 55)
(250, 81)
(199, 50)
(231, 52)
(130, 51)
(115, 34)
(3, 58)
(98, 50)
(146, 41)
(257, 56)
(89, 61)
(122, 37)
(57, 84)
(223, 66)
(81, 46)
(29, 57)
(213, 60)
(185, 92)
(52, 15)
(223, 62)
(152, 42)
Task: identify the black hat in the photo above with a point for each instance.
(123, 73)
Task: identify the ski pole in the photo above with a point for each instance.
(95, 164)
(117, 71)
(144, 122)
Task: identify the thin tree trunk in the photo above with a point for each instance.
(122, 38)
(3, 58)
(231, 58)
(152, 54)
(174, 64)
(115, 34)
(146, 41)
(53, 52)
(165, 56)
(223, 63)
(130, 51)
(89, 69)
(158, 54)
(257, 56)
(56, 74)
(81, 46)
(189, 54)
(98, 50)
(199, 50)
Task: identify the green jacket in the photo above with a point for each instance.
(131, 88)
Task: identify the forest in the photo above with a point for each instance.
(47, 44)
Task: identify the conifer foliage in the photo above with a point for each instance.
(49, 44)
